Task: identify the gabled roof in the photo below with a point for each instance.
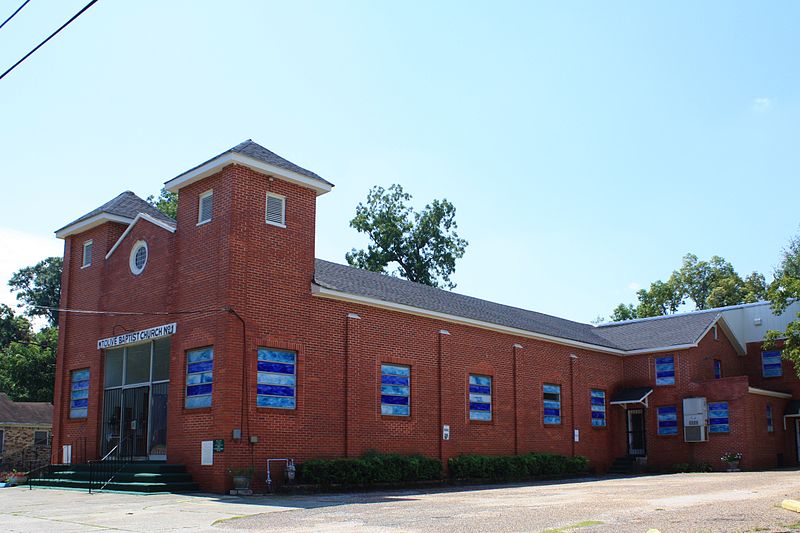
(170, 227)
(670, 330)
(122, 208)
(622, 338)
(259, 159)
(33, 413)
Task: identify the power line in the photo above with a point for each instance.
(132, 313)
(67, 23)
(25, 3)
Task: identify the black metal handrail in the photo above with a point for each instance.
(102, 471)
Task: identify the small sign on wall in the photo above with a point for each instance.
(219, 445)
(577, 435)
(207, 452)
(446, 432)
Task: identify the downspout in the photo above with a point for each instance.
(244, 420)
(572, 359)
(514, 349)
(440, 430)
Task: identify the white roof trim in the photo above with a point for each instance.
(317, 290)
(720, 319)
(206, 169)
(89, 223)
(140, 216)
(764, 392)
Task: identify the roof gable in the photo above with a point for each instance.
(141, 216)
(123, 209)
(258, 158)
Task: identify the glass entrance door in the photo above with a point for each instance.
(637, 444)
(135, 417)
(135, 400)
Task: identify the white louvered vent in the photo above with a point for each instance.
(206, 206)
(276, 210)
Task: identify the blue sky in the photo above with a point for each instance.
(587, 146)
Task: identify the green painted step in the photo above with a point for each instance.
(140, 476)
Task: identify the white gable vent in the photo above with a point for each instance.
(276, 210)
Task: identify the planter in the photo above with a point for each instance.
(241, 482)
(733, 466)
(17, 480)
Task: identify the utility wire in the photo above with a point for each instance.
(67, 23)
(131, 313)
(25, 3)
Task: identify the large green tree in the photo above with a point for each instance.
(38, 288)
(12, 327)
(424, 245)
(784, 290)
(28, 367)
(706, 284)
(166, 202)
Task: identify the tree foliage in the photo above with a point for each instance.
(28, 367)
(784, 290)
(166, 202)
(12, 327)
(423, 245)
(38, 287)
(706, 284)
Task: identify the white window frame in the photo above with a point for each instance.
(200, 199)
(283, 209)
(89, 243)
(132, 262)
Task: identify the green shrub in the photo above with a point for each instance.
(370, 469)
(515, 467)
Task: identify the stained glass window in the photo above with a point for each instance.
(598, 399)
(770, 424)
(665, 370)
(395, 390)
(79, 394)
(667, 420)
(552, 404)
(277, 379)
(199, 377)
(771, 364)
(480, 397)
(718, 421)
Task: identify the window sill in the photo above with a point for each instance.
(86, 266)
(203, 223)
(276, 224)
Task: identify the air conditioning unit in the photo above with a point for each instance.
(695, 420)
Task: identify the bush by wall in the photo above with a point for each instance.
(371, 469)
(681, 468)
(515, 467)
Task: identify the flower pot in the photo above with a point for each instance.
(17, 480)
(733, 466)
(241, 482)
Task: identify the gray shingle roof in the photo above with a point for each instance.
(258, 152)
(634, 335)
(127, 205)
(34, 413)
(670, 330)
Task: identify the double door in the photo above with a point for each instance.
(135, 421)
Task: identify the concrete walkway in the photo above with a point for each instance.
(746, 501)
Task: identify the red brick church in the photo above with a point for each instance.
(217, 340)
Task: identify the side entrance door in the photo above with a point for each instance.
(637, 441)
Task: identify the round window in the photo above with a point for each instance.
(138, 257)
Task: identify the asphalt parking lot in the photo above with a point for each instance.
(746, 501)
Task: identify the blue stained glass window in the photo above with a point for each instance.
(665, 370)
(480, 397)
(770, 425)
(395, 390)
(277, 379)
(718, 420)
(667, 420)
(552, 404)
(771, 364)
(79, 394)
(717, 369)
(199, 377)
(598, 401)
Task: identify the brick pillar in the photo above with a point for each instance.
(351, 383)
